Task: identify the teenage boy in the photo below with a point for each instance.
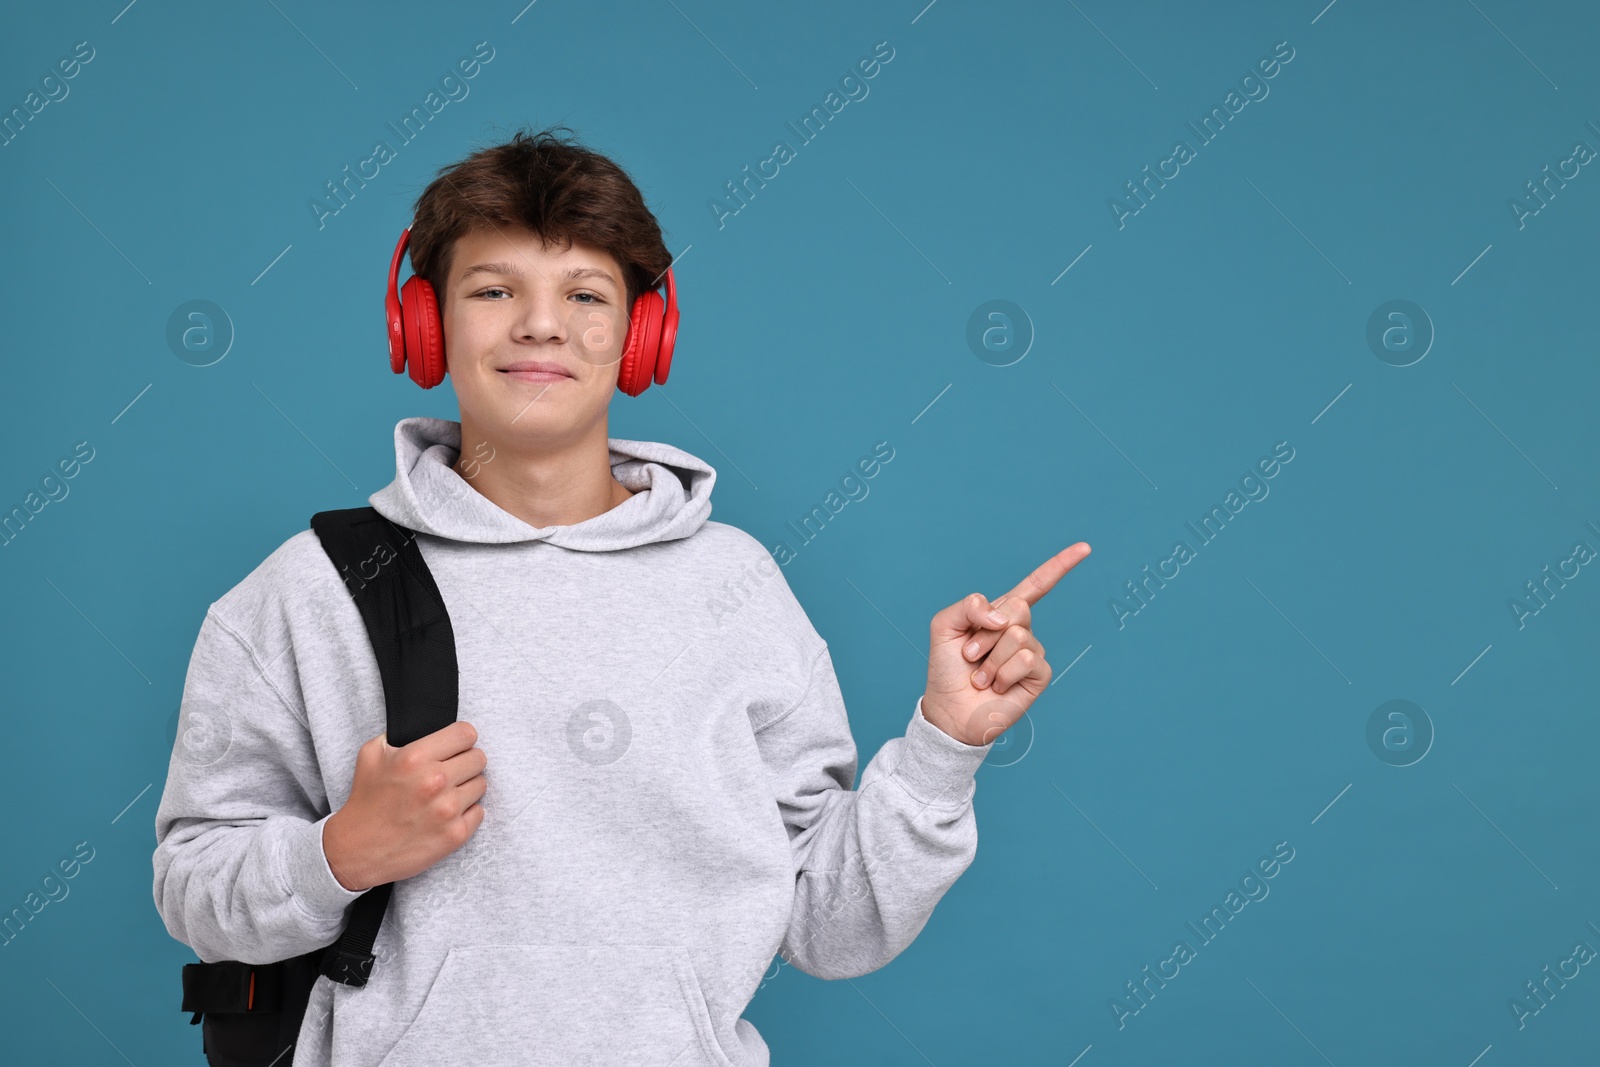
(671, 800)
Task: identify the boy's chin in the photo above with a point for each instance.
(540, 421)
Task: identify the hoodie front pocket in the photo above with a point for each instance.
(562, 1005)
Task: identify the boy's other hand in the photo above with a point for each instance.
(409, 807)
(985, 666)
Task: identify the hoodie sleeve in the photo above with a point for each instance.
(239, 869)
(870, 863)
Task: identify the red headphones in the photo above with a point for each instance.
(416, 337)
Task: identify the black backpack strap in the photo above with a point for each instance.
(406, 619)
(415, 647)
(253, 1012)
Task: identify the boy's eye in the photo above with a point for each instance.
(588, 298)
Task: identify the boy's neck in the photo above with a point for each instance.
(560, 486)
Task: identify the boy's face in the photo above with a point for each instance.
(511, 302)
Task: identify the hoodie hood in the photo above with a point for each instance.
(672, 494)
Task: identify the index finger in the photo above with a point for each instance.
(1033, 588)
(447, 741)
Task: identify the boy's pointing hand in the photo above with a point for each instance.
(985, 666)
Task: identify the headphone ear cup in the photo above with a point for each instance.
(669, 333)
(643, 345)
(424, 337)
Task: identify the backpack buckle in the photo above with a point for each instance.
(348, 966)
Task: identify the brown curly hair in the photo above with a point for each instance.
(551, 185)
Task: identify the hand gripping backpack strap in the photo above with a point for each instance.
(253, 1012)
(415, 648)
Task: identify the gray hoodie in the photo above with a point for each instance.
(669, 799)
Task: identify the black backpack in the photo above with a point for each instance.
(252, 1012)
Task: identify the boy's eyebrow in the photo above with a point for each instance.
(514, 271)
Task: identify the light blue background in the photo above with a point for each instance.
(1228, 315)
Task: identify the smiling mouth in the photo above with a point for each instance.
(538, 376)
